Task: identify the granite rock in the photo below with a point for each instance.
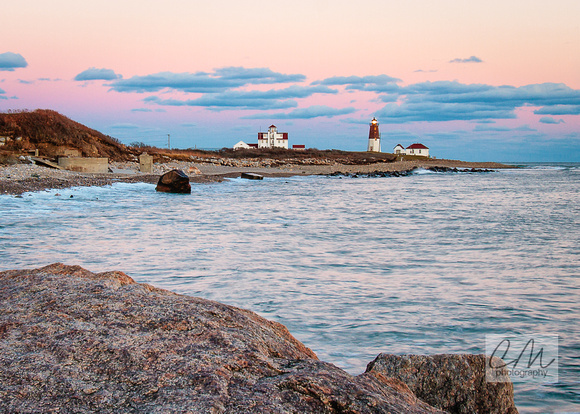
(454, 383)
(72, 341)
(174, 181)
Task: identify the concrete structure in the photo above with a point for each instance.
(399, 149)
(90, 165)
(374, 137)
(145, 163)
(68, 152)
(273, 138)
(417, 149)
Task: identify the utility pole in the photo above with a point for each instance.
(168, 141)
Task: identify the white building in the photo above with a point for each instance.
(374, 136)
(399, 149)
(417, 149)
(273, 138)
(241, 145)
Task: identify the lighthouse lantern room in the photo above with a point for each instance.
(374, 136)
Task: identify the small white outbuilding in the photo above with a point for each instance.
(241, 145)
(399, 149)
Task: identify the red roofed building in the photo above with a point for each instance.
(417, 149)
(273, 138)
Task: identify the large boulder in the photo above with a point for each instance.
(174, 181)
(454, 383)
(73, 341)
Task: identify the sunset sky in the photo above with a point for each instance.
(494, 80)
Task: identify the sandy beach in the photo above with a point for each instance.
(17, 179)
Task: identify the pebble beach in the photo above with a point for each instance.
(16, 179)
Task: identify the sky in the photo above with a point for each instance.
(494, 80)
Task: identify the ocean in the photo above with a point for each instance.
(425, 264)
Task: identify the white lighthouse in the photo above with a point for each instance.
(374, 136)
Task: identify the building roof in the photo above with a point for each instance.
(399, 145)
(417, 146)
(272, 126)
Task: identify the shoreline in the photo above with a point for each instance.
(18, 179)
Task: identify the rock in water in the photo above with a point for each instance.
(251, 176)
(73, 341)
(454, 383)
(174, 181)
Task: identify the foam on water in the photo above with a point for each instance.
(428, 263)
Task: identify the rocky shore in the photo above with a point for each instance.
(17, 179)
(73, 341)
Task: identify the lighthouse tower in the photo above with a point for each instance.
(374, 136)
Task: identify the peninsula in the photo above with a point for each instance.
(33, 141)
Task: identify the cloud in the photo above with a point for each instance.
(2, 93)
(202, 82)
(550, 120)
(358, 80)
(472, 59)
(485, 128)
(221, 102)
(559, 110)
(97, 74)
(453, 101)
(257, 75)
(25, 82)
(141, 110)
(436, 111)
(445, 88)
(425, 71)
(10, 61)
(271, 99)
(377, 83)
(389, 97)
(314, 111)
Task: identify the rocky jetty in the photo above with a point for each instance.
(73, 341)
(405, 173)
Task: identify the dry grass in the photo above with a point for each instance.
(50, 132)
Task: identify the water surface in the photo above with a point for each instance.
(424, 264)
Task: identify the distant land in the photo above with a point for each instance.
(53, 135)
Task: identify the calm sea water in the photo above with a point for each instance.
(424, 264)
